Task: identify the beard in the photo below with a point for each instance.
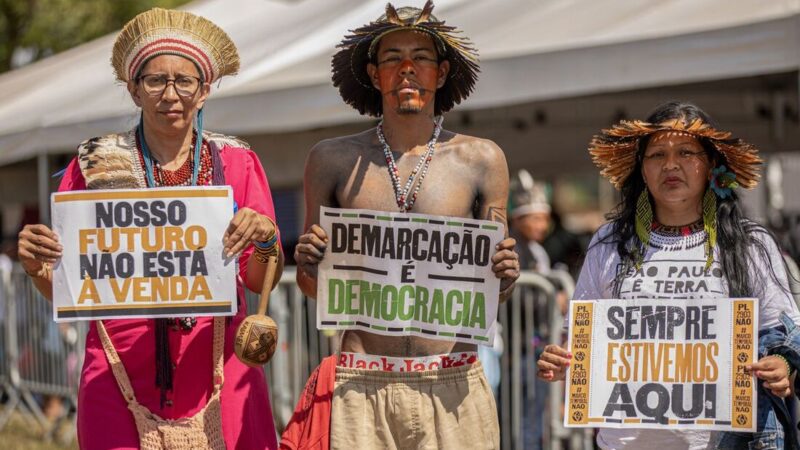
(408, 104)
(408, 108)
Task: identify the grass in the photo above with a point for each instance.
(19, 434)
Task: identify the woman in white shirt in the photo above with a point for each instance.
(677, 176)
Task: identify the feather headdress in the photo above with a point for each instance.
(526, 196)
(358, 48)
(168, 32)
(614, 150)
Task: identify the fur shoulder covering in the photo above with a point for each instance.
(107, 162)
(112, 161)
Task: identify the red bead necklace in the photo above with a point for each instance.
(182, 176)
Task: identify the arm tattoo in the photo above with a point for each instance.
(497, 214)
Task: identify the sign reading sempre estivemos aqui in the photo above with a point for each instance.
(645, 363)
(142, 253)
(409, 274)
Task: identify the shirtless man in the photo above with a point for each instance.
(407, 68)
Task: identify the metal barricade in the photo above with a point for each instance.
(40, 358)
(43, 358)
(530, 316)
(7, 390)
(301, 347)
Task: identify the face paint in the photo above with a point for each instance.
(406, 93)
(407, 72)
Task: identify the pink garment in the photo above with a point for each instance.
(104, 421)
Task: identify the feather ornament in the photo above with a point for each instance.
(614, 150)
(156, 30)
(357, 49)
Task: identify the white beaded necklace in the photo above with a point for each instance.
(404, 201)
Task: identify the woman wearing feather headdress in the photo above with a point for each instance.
(678, 177)
(171, 383)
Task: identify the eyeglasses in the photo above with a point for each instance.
(659, 157)
(155, 84)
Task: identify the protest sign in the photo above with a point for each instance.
(409, 274)
(645, 363)
(141, 253)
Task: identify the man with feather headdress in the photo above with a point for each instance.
(407, 68)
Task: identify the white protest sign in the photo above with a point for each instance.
(409, 274)
(646, 363)
(141, 253)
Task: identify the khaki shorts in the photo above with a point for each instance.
(441, 409)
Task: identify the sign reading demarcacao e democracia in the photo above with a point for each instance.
(409, 274)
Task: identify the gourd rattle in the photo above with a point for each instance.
(257, 335)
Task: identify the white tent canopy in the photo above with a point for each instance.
(530, 50)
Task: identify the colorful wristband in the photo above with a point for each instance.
(269, 243)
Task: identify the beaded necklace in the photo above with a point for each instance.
(404, 201)
(674, 238)
(182, 176)
(188, 174)
(678, 230)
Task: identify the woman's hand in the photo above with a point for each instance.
(245, 227)
(38, 246)
(553, 363)
(775, 373)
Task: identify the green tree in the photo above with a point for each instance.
(34, 29)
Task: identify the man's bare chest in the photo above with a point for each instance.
(448, 188)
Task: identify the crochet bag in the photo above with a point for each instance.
(200, 431)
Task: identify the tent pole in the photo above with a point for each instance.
(44, 188)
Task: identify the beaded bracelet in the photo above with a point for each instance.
(268, 243)
(789, 367)
(263, 250)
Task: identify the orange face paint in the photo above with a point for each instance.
(407, 72)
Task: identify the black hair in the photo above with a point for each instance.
(736, 234)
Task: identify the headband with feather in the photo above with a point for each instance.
(358, 49)
(526, 196)
(614, 150)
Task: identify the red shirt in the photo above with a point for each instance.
(104, 420)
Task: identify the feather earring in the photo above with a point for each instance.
(710, 224)
(644, 223)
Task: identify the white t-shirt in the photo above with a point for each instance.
(674, 269)
(541, 257)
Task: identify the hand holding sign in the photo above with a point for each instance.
(505, 264)
(775, 373)
(245, 227)
(311, 248)
(38, 245)
(553, 363)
